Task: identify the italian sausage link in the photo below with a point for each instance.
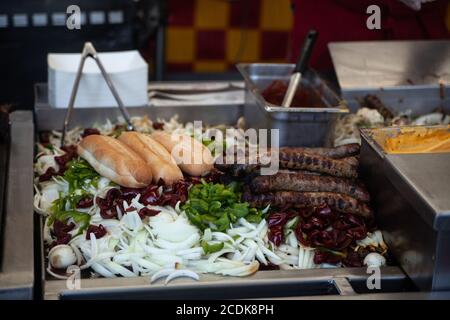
(340, 152)
(316, 163)
(308, 183)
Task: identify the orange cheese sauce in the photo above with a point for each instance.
(419, 140)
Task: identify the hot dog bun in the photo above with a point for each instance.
(115, 161)
(159, 160)
(191, 155)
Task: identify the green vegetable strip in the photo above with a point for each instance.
(211, 248)
(80, 176)
(216, 206)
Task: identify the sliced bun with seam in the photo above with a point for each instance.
(115, 161)
(159, 160)
(191, 155)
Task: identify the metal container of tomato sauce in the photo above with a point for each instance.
(411, 198)
(338, 283)
(307, 126)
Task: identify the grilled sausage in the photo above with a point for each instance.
(351, 160)
(316, 163)
(336, 201)
(340, 152)
(308, 183)
(333, 161)
(373, 102)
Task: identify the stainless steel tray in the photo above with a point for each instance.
(264, 284)
(316, 282)
(48, 118)
(410, 195)
(406, 75)
(17, 271)
(413, 99)
(310, 127)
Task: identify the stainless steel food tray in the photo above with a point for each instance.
(309, 127)
(406, 75)
(264, 284)
(17, 271)
(411, 197)
(48, 118)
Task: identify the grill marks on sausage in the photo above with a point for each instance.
(308, 177)
(339, 161)
(302, 182)
(316, 163)
(348, 150)
(336, 201)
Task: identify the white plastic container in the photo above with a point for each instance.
(127, 69)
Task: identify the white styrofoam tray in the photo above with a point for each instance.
(127, 69)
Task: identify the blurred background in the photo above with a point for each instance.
(195, 39)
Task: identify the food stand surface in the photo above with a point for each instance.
(341, 283)
(301, 284)
(263, 284)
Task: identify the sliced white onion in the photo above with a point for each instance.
(182, 273)
(102, 270)
(247, 224)
(217, 254)
(186, 244)
(117, 268)
(161, 274)
(56, 275)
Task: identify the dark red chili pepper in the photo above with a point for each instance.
(70, 149)
(108, 213)
(353, 259)
(64, 239)
(146, 212)
(158, 125)
(89, 131)
(276, 234)
(61, 228)
(85, 202)
(149, 195)
(277, 218)
(99, 231)
(214, 176)
(337, 231)
(130, 193)
(269, 266)
(112, 195)
(49, 173)
(326, 257)
(63, 160)
(61, 231)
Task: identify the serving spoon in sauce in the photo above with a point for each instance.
(300, 67)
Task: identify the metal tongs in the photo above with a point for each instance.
(89, 51)
(300, 67)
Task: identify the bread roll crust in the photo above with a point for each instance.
(190, 155)
(115, 161)
(160, 161)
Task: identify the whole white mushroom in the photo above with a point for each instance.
(374, 259)
(62, 256)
